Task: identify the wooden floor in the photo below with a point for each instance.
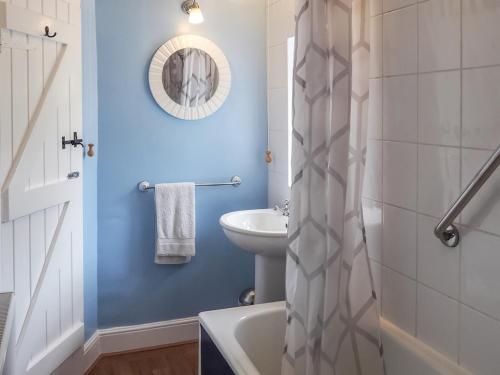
(173, 360)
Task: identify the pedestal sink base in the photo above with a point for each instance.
(269, 278)
(263, 233)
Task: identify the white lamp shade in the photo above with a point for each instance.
(195, 15)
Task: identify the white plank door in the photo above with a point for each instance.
(41, 252)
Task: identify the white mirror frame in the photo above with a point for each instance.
(156, 77)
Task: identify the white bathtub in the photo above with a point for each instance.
(251, 341)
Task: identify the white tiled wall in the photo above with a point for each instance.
(434, 119)
(280, 26)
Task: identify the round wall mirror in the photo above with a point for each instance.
(189, 77)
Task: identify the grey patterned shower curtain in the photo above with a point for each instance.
(332, 325)
(190, 77)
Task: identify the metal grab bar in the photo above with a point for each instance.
(445, 230)
(235, 181)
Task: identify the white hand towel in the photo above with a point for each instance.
(175, 223)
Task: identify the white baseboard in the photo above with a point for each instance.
(129, 338)
(63, 347)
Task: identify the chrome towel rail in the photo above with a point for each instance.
(235, 181)
(445, 230)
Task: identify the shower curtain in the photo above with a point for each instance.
(190, 77)
(198, 84)
(332, 325)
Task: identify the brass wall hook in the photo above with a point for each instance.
(269, 157)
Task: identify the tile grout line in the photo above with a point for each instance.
(475, 309)
(280, 44)
(460, 250)
(382, 152)
(404, 7)
(458, 147)
(418, 173)
(436, 71)
(461, 225)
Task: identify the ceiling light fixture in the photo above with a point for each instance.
(192, 8)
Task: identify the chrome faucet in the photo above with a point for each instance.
(283, 207)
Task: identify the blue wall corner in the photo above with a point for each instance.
(139, 141)
(90, 133)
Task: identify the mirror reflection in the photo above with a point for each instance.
(190, 77)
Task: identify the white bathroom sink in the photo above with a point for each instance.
(258, 231)
(264, 233)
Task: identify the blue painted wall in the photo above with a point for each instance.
(140, 141)
(90, 132)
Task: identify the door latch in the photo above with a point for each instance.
(73, 175)
(74, 142)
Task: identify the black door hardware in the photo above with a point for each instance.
(48, 34)
(74, 142)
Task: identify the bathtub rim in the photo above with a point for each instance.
(437, 361)
(221, 327)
